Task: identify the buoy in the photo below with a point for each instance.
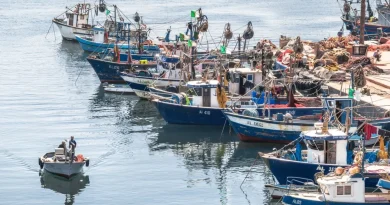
(87, 163)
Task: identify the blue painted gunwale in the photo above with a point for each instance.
(283, 168)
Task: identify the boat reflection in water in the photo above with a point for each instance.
(68, 187)
(220, 161)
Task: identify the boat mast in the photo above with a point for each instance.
(115, 20)
(362, 20)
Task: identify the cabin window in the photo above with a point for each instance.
(250, 77)
(316, 145)
(344, 190)
(198, 91)
(340, 190)
(331, 103)
(347, 190)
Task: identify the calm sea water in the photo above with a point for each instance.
(49, 92)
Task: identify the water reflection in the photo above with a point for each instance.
(69, 187)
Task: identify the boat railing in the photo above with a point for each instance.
(294, 183)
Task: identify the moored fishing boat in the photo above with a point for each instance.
(75, 21)
(326, 150)
(118, 88)
(339, 188)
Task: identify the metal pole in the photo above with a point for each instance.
(362, 20)
(115, 16)
(239, 45)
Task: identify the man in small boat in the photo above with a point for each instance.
(72, 145)
(63, 146)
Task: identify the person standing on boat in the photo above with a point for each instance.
(72, 145)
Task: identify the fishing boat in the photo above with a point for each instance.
(294, 185)
(59, 163)
(75, 21)
(118, 88)
(372, 24)
(344, 188)
(326, 150)
(165, 74)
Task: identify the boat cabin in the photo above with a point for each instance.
(79, 17)
(242, 80)
(343, 188)
(98, 34)
(326, 147)
(204, 93)
(337, 106)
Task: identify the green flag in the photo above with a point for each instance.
(189, 43)
(351, 92)
(223, 50)
(193, 14)
(182, 37)
(108, 12)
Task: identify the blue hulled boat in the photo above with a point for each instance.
(164, 75)
(326, 150)
(283, 127)
(92, 45)
(109, 71)
(204, 108)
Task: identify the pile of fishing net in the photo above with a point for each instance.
(335, 42)
(327, 63)
(355, 61)
(384, 45)
(338, 55)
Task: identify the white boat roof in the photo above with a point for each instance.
(244, 70)
(334, 180)
(333, 134)
(199, 83)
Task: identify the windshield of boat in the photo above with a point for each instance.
(315, 144)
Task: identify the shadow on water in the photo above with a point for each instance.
(68, 187)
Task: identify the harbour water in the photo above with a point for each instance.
(49, 92)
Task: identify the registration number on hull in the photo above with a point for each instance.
(258, 124)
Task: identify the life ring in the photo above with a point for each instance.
(387, 114)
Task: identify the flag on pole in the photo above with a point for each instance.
(223, 50)
(193, 13)
(189, 43)
(108, 12)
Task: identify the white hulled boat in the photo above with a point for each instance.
(59, 162)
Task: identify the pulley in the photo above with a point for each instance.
(248, 33)
(228, 33)
(346, 7)
(136, 17)
(203, 23)
(102, 6)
